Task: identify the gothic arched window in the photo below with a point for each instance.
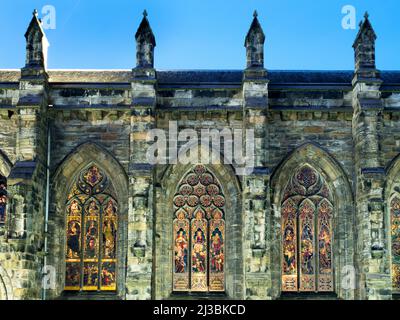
(307, 235)
(199, 233)
(91, 233)
(3, 200)
(395, 236)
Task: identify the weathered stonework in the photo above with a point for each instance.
(344, 124)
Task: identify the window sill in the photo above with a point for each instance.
(198, 296)
(308, 296)
(71, 295)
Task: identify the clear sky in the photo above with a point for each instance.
(200, 34)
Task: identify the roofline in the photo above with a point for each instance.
(203, 70)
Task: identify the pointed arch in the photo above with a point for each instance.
(168, 179)
(317, 157)
(5, 169)
(85, 153)
(313, 156)
(165, 170)
(199, 233)
(392, 175)
(63, 180)
(5, 165)
(6, 289)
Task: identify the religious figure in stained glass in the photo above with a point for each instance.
(289, 241)
(109, 235)
(91, 240)
(181, 252)
(199, 233)
(73, 239)
(91, 234)
(199, 252)
(217, 254)
(3, 199)
(108, 275)
(307, 213)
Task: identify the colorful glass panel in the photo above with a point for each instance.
(199, 233)
(91, 234)
(108, 276)
(307, 245)
(73, 276)
(325, 281)
(307, 233)
(3, 200)
(110, 225)
(199, 253)
(217, 254)
(73, 245)
(289, 247)
(395, 236)
(181, 249)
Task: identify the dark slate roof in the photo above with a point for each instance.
(275, 77)
(309, 77)
(199, 76)
(190, 77)
(390, 77)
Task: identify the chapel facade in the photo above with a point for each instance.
(83, 214)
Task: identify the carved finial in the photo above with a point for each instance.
(145, 13)
(35, 13)
(255, 14)
(366, 15)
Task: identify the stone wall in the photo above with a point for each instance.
(342, 123)
(296, 119)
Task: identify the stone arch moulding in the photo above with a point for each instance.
(167, 182)
(5, 165)
(6, 289)
(392, 173)
(83, 156)
(314, 156)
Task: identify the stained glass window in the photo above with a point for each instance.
(91, 233)
(395, 234)
(199, 233)
(3, 200)
(307, 235)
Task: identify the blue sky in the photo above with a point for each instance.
(200, 34)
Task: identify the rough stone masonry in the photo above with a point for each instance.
(342, 124)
